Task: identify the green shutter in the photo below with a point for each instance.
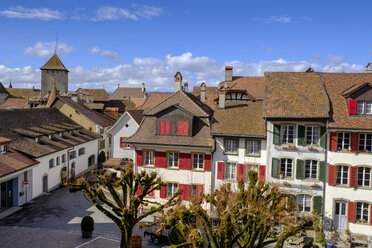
(276, 139)
(317, 204)
(300, 169)
(301, 135)
(275, 168)
(323, 136)
(291, 203)
(322, 170)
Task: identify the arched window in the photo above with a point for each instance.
(81, 151)
(91, 160)
(51, 163)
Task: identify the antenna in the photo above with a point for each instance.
(56, 48)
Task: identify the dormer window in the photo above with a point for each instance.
(3, 149)
(182, 128)
(164, 127)
(364, 107)
(50, 137)
(37, 140)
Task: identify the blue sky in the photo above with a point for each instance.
(104, 43)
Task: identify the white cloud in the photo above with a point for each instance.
(106, 53)
(272, 19)
(135, 13)
(20, 12)
(158, 73)
(46, 49)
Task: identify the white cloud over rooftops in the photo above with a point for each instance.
(158, 73)
(20, 12)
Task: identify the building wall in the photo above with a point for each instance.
(49, 78)
(241, 158)
(344, 192)
(54, 173)
(126, 127)
(75, 116)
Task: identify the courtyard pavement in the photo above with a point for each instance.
(53, 220)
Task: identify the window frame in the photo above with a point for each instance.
(72, 154)
(51, 163)
(173, 162)
(284, 174)
(362, 209)
(363, 108)
(173, 192)
(305, 197)
(81, 151)
(363, 179)
(342, 173)
(253, 154)
(246, 165)
(286, 134)
(203, 162)
(145, 157)
(311, 169)
(225, 140)
(63, 159)
(230, 168)
(343, 141)
(365, 139)
(312, 134)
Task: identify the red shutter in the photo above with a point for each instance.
(351, 211)
(333, 141)
(139, 157)
(181, 164)
(151, 194)
(354, 142)
(220, 166)
(331, 175)
(131, 146)
(164, 127)
(241, 170)
(185, 161)
(353, 177)
(160, 159)
(207, 162)
(199, 190)
(121, 142)
(186, 191)
(182, 128)
(262, 172)
(352, 107)
(163, 192)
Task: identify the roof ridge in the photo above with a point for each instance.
(158, 103)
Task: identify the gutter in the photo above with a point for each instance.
(238, 135)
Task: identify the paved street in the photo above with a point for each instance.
(53, 220)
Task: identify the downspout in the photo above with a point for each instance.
(326, 174)
(213, 170)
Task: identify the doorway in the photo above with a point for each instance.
(45, 183)
(340, 215)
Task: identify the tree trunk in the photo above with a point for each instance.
(125, 239)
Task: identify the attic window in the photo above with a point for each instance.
(364, 107)
(37, 140)
(164, 127)
(3, 149)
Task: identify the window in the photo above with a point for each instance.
(81, 151)
(362, 212)
(343, 141)
(3, 148)
(364, 176)
(102, 144)
(194, 191)
(172, 189)
(164, 127)
(230, 171)
(182, 128)
(149, 158)
(231, 146)
(287, 134)
(249, 167)
(51, 163)
(342, 173)
(101, 130)
(91, 160)
(173, 159)
(63, 158)
(253, 147)
(365, 142)
(311, 168)
(58, 160)
(312, 135)
(198, 161)
(364, 107)
(304, 203)
(286, 167)
(72, 155)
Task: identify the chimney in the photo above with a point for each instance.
(202, 92)
(186, 87)
(221, 99)
(10, 85)
(228, 73)
(177, 82)
(368, 68)
(143, 87)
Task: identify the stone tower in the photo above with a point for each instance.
(54, 73)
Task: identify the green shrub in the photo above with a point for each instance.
(87, 224)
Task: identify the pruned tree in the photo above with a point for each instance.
(119, 198)
(255, 216)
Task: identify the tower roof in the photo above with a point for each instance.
(54, 63)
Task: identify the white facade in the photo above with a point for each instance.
(251, 162)
(105, 143)
(125, 127)
(54, 174)
(344, 193)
